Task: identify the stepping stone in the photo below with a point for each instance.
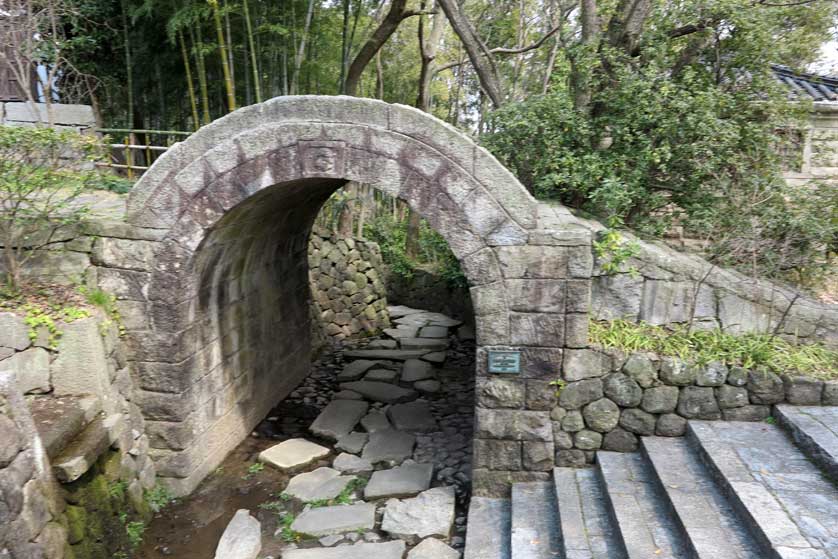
(292, 454)
(415, 417)
(427, 386)
(351, 464)
(398, 311)
(402, 332)
(353, 442)
(325, 521)
(390, 354)
(322, 483)
(242, 539)
(431, 513)
(380, 391)
(382, 375)
(437, 357)
(402, 481)
(418, 320)
(329, 541)
(382, 344)
(355, 370)
(432, 548)
(389, 446)
(338, 418)
(347, 395)
(431, 344)
(433, 332)
(414, 370)
(361, 550)
(375, 421)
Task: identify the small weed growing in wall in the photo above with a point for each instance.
(612, 251)
(107, 302)
(253, 469)
(751, 351)
(285, 531)
(158, 498)
(560, 385)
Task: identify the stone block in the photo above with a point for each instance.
(670, 425)
(660, 399)
(623, 390)
(574, 458)
(587, 440)
(541, 395)
(641, 369)
(573, 421)
(601, 415)
(676, 372)
(534, 262)
(803, 391)
(580, 393)
(497, 455)
(498, 484)
(698, 402)
(713, 374)
(638, 421)
(765, 387)
(536, 295)
(498, 392)
(747, 413)
(514, 425)
(32, 370)
(620, 440)
(537, 329)
(582, 364)
(539, 456)
(616, 296)
(731, 396)
(14, 333)
(667, 302)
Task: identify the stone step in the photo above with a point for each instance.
(82, 452)
(387, 550)
(338, 418)
(708, 522)
(387, 354)
(60, 419)
(645, 528)
(430, 344)
(789, 505)
(488, 529)
(815, 430)
(535, 521)
(586, 528)
(380, 391)
(339, 519)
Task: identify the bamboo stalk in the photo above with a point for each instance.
(222, 47)
(193, 102)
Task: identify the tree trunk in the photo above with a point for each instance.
(202, 71)
(298, 59)
(222, 48)
(254, 64)
(481, 59)
(428, 50)
(129, 77)
(580, 74)
(383, 32)
(193, 102)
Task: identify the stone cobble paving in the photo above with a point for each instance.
(399, 444)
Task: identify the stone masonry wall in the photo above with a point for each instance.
(78, 117)
(662, 286)
(87, 363)
(349, 297)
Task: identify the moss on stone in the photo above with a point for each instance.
(76, 518)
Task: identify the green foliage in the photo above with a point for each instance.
(343, 498)
(44, 317)
(135, 530)
(286, 533)
(111, 183)
(253, 469)
(612, 251)
(116, 489)
(40, 190)
(752, 351)
(107, 302)
(158, 498)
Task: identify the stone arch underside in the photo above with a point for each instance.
(226, 300)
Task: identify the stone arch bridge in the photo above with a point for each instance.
(226, 297)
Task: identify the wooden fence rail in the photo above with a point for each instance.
(138, 148)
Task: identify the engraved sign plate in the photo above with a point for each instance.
(508, 362)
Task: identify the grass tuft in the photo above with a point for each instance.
(752, 351)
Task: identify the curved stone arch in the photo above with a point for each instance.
(256, 178)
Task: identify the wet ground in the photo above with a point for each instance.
(191, 527)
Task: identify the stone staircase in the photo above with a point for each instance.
(725, 491)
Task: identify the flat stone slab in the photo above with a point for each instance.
(389, 354)
(427, 386)
(355, 370)
(431, 513)
(433, 332)
(432, 548)
(535, 521)
(402, 481)
(382, 375)
(60, 419)
(389, 446)
(375, 421)
(382, 344)
(82, 452)
(402, 332)
(415, 417)
(353, 442)
(415, 369)
(242, 539)
(292, 454)
(437, 357)
(339, 417)
(347, 395)
(387, 550)
(398, 311)
(380, 391)
(325, 521)
(322, 483)
(351, 464)
(431, 344)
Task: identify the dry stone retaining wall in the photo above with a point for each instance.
(348, 292)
